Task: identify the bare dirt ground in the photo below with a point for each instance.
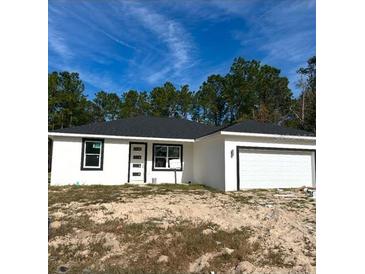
(180, 229)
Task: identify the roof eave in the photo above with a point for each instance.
(295, 137)
(82, 135)
(224, 133)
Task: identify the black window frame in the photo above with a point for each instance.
(167, 168)
(84, 140)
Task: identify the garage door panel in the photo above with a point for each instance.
(260, 168)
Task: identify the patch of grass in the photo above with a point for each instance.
(68, 253)
(295, 204)
(115, 269)
(96, 194)
(275, 257)
(69, 224)
(259, 190)
(183, 243)
(186, 243)
(243, 199)
(68, 194)
(143, 243)
(187, 187)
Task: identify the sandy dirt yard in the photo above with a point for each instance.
(180, 229)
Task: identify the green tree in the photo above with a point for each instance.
(134, 104)
(210, 104)
(274, 95)
(67, 105)
(184, 101)
(240, 93)
(107, 106)
(196, 109)
(304, 108)
(256, 91)
(164, 101)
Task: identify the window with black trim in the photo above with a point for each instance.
(167, 157)
(92, 154)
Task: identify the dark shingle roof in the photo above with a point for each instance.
(163, 127)
(142, 126)
(250, 126)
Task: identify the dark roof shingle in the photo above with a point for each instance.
(163, 127)
(251, 126)
(143, 126)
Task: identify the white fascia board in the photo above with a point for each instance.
(211, 135)
(231, 133)
(60, 134)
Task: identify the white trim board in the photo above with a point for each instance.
(224, 133)
(230, 133)
(263, 135)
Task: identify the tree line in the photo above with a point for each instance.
(250, 90)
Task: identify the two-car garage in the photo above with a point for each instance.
(274, 168)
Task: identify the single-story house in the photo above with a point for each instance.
(144, 149)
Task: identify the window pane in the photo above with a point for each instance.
(174, 152)
(174, 159)
(137, 157)
(136, 165)
(136, 174)
(160, 162)
(161, 151)
(93, 147)
(137, 149)
(92, 160)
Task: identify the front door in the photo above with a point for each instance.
(137, 162)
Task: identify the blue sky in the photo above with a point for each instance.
(122, 45)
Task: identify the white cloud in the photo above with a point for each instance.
(58, 44)
(285, 34)
(153, 45)
(149, 42)
(171, 33)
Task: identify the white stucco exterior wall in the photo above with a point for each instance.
(66, 163)
(168, 176)
(231, 143)
(209, 161)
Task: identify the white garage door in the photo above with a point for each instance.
(260, 168)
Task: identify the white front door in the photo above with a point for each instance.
(137, 162)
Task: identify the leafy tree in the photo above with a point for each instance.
(211, 101)
(263, 114)
(256, 91)
(134, 104)
(250, 90)
(241, 89)
(184, 101)
(196, 109)
(67, 105)
(164, 101)
(143, 104)
(273, 93)
(304, 108)
(107, 106)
